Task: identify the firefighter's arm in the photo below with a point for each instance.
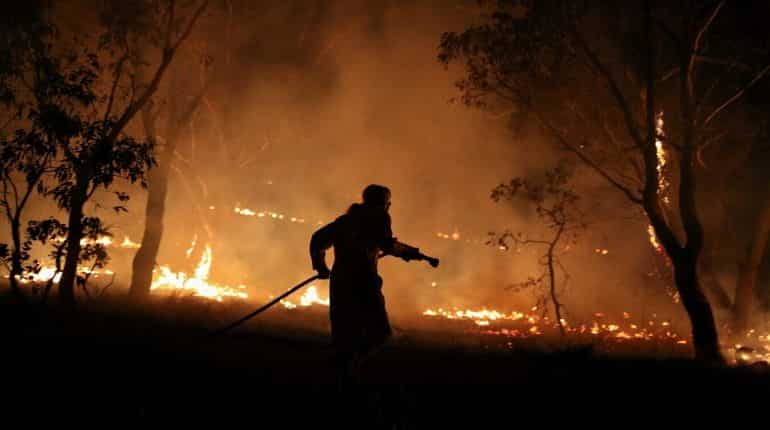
(320, 242)
(407, 253)
(391, 246)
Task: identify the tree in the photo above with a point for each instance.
(599, 79)
(178, 114)
(25, 154)
(144, 260)
(736, 227)
(556, 205)
(24, 160)
(101, 151)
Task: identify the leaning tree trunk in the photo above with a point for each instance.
(144, 260)
(74, 235)
(684, 256)
(684, 260)
(747, 279)
(146, 256)
(705, 338)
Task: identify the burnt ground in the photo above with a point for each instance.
(115, 363)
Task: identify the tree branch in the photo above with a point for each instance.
(6, 203)
(670, 33)
(702, 147)
(696, 46)
(722, 62)
(14, 189)
(587, 160)
(620, 99)
(169, 24)
(118, 73)
(91, 192)
(737, 95)
(168, 55)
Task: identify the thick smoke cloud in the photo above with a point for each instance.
(313, 101)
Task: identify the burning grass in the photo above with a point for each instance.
(484, 328)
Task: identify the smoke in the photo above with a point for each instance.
(314, 100)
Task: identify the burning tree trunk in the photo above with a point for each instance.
(747, 279)
(684, 255)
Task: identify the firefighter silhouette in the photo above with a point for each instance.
(359, 320)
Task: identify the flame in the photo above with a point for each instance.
(197, 284)
(43, 276)
(662, 181)
(192, 246)
(309, 298)
(244, 212)
(661, 156)
(128, 243)
(106, 241)
(47, 272)
(486, 321)
(101, 240)
(269, 214)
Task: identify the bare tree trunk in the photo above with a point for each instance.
(747, 279)
(144, 260)
(74, 235)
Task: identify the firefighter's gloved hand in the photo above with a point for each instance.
(324, 273)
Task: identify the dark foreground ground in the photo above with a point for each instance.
(114, 364)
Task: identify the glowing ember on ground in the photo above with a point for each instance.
(525, 325)
(756, 349)
(534, 324)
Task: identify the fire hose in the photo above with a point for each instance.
(266, 306)
(413, 255)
